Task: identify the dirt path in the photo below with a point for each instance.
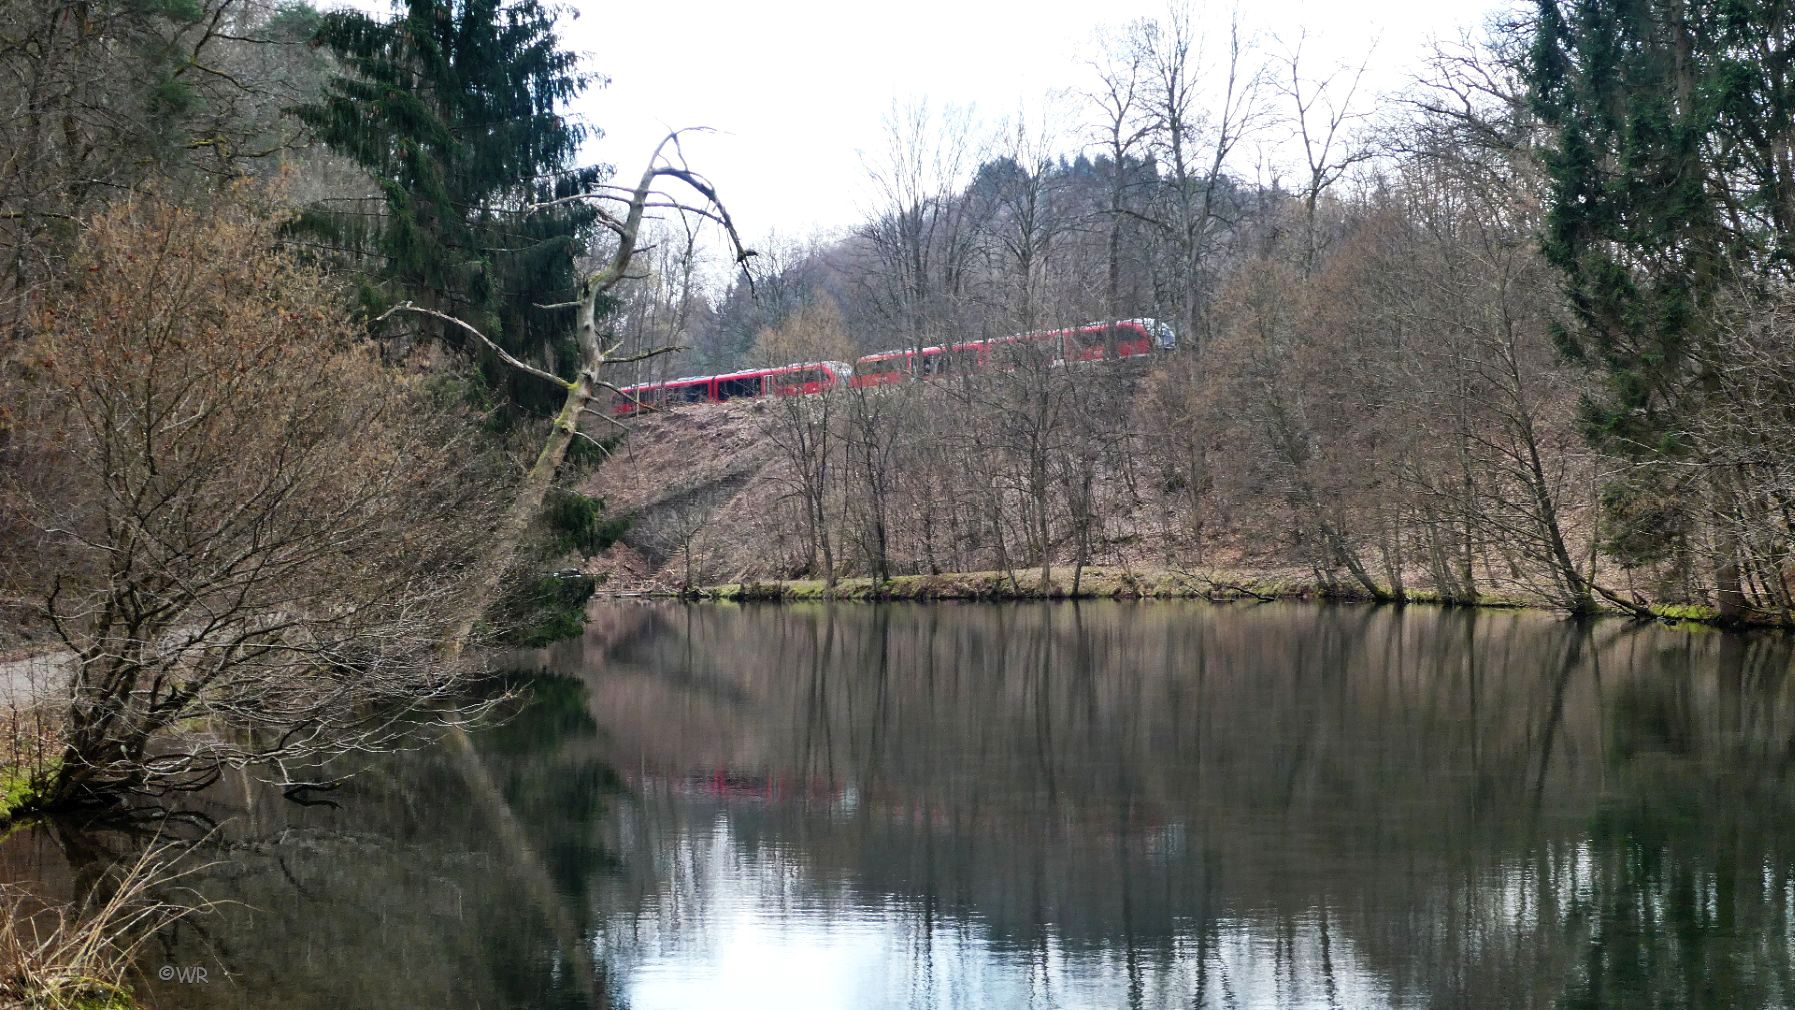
(28, 678)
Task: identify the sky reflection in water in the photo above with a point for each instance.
(1109, 805)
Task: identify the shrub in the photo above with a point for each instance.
(251, 535)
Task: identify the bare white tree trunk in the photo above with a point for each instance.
(667, 162)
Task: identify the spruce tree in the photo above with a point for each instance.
(457, 110)
(1670, 191)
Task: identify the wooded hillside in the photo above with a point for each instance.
(1517, 331)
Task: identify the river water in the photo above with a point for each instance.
(1106, 805)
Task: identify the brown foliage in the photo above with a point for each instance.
(240, 523)
(813, 332)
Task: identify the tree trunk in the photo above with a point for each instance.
(525, 507)
(527, 504)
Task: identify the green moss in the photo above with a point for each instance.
(15, 791)
(1686, 612)
(103, 997)
(18, 789)
(806, 589)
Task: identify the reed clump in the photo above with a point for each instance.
(80, 955)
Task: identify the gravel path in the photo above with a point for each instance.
(30, 678)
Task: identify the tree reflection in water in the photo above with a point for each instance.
(1116, 805)
(1160, 804)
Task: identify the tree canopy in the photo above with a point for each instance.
(457, 109)
(1669, 186)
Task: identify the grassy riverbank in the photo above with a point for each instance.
(1111, 583)
(1096, 583)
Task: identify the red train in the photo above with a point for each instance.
(785, 380)
(1089, 342)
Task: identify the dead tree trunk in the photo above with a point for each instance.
(667, 162)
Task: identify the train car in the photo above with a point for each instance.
(1090, 342)
(887, 367)
(803, 379)
(1133, 337)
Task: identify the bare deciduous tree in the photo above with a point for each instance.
(96, 100)
(921, 233)
(622, 212)
(254, 536)
(1196, 137)
(1121, 131)
(805, 427)
(1322, 114)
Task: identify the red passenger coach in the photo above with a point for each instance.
(785, 380)
(1089, 342)
(887, 367)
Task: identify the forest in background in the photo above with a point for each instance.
(1518, 332)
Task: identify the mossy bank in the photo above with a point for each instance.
(1113, 583)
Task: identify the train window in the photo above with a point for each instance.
(1087, 345)
(886, 369)
(696, 392)
(632, 400)
(935, 363)
(729, 389)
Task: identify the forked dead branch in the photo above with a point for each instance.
(667, 163)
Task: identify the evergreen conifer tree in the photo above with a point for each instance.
(1670, 189)
(457, 110)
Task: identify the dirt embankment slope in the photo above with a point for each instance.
(702, 476)
(708, 480)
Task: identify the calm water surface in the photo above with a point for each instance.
(1052, 806)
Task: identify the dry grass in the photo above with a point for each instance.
(79, 956)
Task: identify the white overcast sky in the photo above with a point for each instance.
(797, 88)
